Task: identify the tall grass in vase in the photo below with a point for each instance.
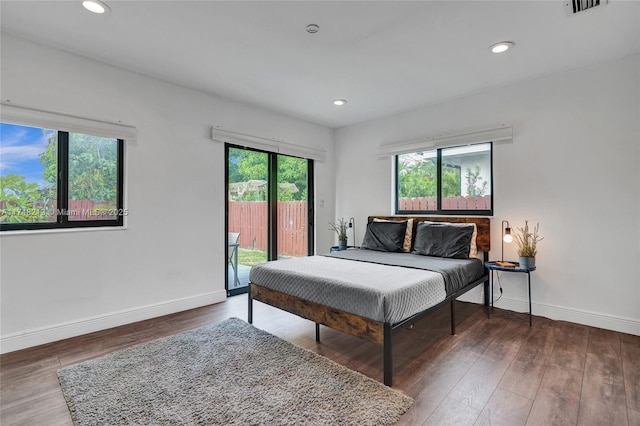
(527, 241)
(340, 227)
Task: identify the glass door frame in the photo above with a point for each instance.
(272, 200)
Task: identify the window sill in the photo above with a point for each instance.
(60, 230)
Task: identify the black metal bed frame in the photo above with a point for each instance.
(391, 329)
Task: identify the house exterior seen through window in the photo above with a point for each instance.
(455, 180)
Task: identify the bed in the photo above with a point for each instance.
(408, 267)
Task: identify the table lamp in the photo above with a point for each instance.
(506, 238)
(352, 225)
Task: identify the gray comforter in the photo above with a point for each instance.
(457, 273)
(346, 281)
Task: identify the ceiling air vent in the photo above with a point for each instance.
(571, 7)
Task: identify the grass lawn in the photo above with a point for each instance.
(251, 257)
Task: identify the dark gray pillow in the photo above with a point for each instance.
(385, 236)
(443, 240)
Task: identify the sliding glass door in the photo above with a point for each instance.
(269, 211)
(292, 207)
(247, 215)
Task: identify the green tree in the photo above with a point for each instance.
(93, 167)
(419, 179)
(451, 181)
(292, 170)
(476, 185)
(92, 176)
(21, 201)
(245, 165)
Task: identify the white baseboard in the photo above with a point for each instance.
(39, 336)
(578, 316)
(35, 337)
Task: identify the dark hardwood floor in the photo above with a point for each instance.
(496, 371)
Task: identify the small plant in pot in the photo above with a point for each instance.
(341, 229)
(527, 241)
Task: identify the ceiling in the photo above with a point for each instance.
(384, 57)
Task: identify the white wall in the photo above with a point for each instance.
(573, 166)
(171, 256)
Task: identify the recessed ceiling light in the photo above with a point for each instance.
(339, 102)
(501, 47)
(312, 28)
(96, 6)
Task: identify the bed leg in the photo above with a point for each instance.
(250, 307)
(487, 296)
(388, 355)
(317, 332)
(453, 316)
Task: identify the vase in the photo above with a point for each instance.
(342, 244)
(527, 262)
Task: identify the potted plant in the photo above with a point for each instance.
(527, 242)
(341, 229)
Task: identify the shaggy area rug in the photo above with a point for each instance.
(224, 373)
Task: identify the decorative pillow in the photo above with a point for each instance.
(473, 250)
(385, 236)
(406, 246)
(473, 247)
(443, 239)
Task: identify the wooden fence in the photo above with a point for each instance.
(250, 219)
(448, 203)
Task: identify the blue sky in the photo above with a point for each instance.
(20, 149)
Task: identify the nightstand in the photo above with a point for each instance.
(493, 267)
(336, 248)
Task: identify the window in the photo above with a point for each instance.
(57, 179)
(456, 180)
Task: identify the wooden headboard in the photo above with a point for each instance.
(483, 239)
